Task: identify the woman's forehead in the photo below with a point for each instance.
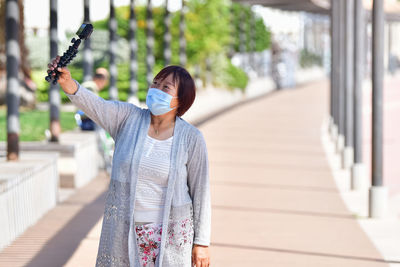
(167, 79)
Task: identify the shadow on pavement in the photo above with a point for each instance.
(59, 249)
(269, 210)
(319, 254)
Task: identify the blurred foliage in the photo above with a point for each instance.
(262, 34)
(34, 123)
(42, 85)
(309, 59)
(211, 33)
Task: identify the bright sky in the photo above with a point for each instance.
(70, 12)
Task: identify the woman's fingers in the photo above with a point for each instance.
(56, 59)
(54, 62)
(202, 262)
(64, 76)
(200, 256)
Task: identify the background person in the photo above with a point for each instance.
(99, 82)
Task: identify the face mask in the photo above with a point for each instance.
(158, 101)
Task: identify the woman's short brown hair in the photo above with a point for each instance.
(186, 86)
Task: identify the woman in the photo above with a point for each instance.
(158, 207)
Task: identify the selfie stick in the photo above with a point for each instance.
(84, 32)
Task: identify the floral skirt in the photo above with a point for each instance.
(148, 240)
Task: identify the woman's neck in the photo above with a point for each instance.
(163, 120)
(162, 127)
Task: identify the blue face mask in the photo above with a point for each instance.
(158, 101)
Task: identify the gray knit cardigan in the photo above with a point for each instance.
(187, 213)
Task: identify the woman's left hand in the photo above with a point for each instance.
(200, 256)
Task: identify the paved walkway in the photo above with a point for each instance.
(55, 238)
(275, 202)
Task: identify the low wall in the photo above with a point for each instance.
(82, 164)
(28, 189)
(79, 159)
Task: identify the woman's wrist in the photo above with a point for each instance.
(200, 246)
(69, 86)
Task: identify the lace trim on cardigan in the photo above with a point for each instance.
(179, 241)
(113, 246)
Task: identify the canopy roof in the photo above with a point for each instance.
(392, 7)
(313, 6)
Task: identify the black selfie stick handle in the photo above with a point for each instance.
(84, 32)
(64, 60)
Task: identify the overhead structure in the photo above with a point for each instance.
(391, 7)
(347, 20)
(313, 6)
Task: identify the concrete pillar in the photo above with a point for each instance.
(197, 76)
(378, 193)
(253, 42)
(133, 67)
(358, 178)
(232, 28)
(54, 92)
(149, 42)
(341, 80)
(13, 93)
(332, 75)
(335, 68)
(113, 91)
(209, 78)
(242, 37)
(182, 39)
(315, 34)
(87, 51)
(305, 32)
(167, 36)
(326, 37)
(390, 48)
(348, 152)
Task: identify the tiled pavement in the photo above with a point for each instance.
(53, 240)
(275, 202)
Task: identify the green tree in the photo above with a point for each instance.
(263, 36)
(211, 30)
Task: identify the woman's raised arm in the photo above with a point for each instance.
(110, 115)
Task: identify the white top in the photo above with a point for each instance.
(152, 180)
